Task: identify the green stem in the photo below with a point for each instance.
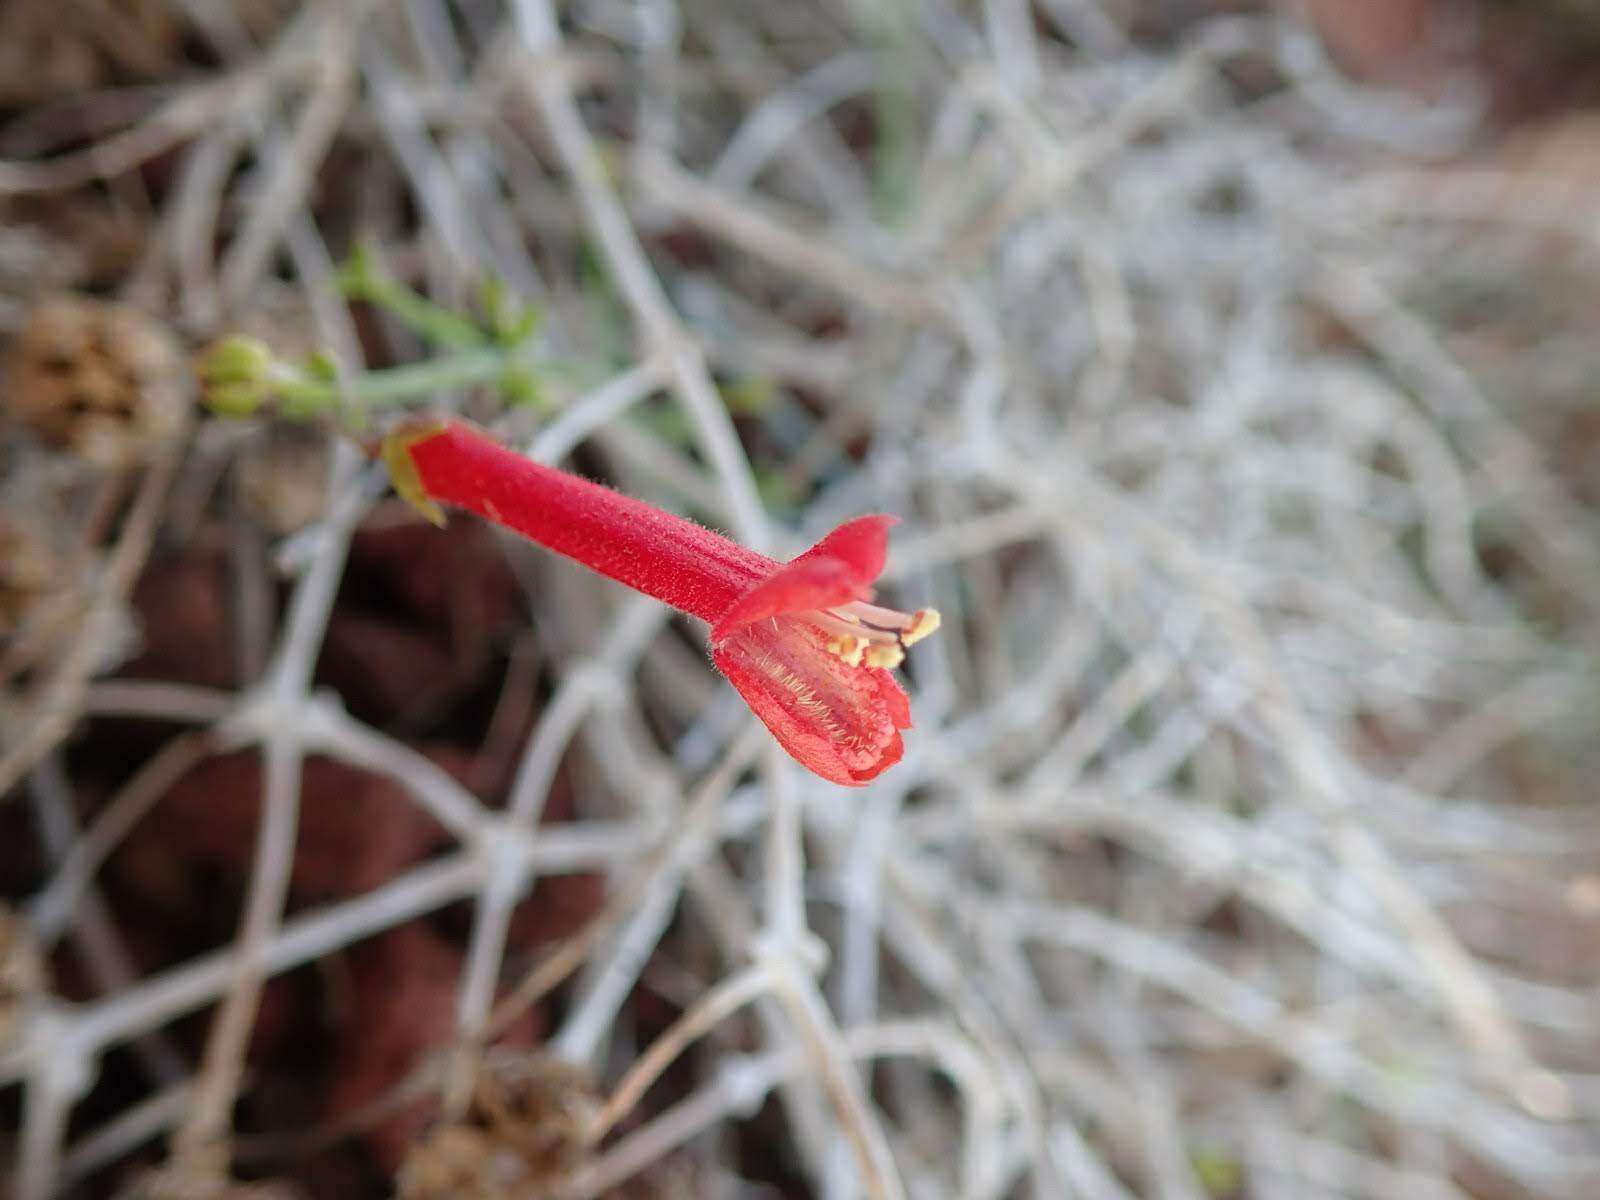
(440, 325)
(302, 395)
(360, 278)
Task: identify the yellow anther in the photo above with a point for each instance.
(923, 622)
(887, 656)
(848, 648)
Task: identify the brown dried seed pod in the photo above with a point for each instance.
(30, 571)
(522, 1137)
(49, 50)
(97, 378)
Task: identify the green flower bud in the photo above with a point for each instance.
(236, 376)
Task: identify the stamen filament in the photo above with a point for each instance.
(832, 623)
(910, 628)
(886, 618)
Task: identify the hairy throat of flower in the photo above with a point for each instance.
(860, 632)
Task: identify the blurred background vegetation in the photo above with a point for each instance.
(1231, 366)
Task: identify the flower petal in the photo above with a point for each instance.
(839, 721)
(805, 583)
(838, 569)
(861, 543)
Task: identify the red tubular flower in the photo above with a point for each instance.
(799, 640)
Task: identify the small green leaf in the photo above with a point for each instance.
(494, 303)
(1220, 1173)
(524, 325)
(749, 397)
(355, 277)
(777, 489)
(668, 422)
(321, 367)
(520, 386)
(509, 322)
(361, 278)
